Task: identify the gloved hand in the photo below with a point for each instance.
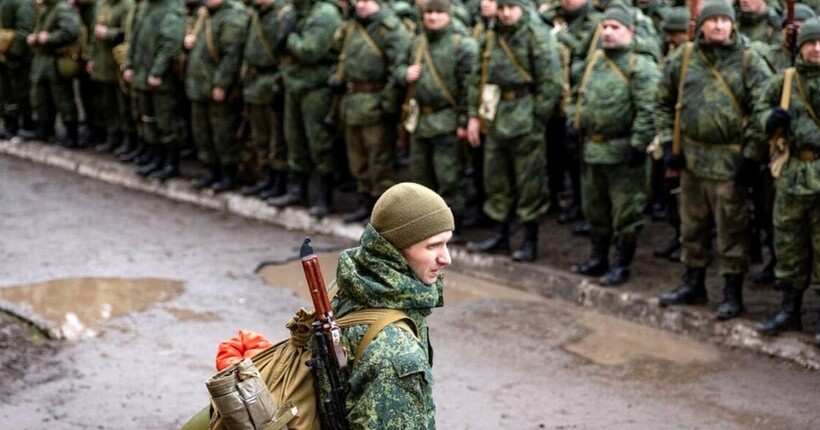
(672, 161)
(779, 118)
(635, 158)
(288, 24)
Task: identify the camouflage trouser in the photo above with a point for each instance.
(515, 178)
(438, 164)
(613, 197)
(115, 107)
(309, 139)
(14, 90)
(214, 126)
(370, 156)
(159, 117)
(702, 202)
(797, 238)
(47, 95)
(267, 136)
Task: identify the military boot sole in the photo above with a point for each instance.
(727, 311)
(678, 300)
(779, 324)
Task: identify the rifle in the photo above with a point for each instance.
(692, 26)
(691, 32)
(332, 357)
(791, 29)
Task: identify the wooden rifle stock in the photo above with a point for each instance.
(791, 30)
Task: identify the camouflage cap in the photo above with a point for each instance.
(676, 20)
(713, 8)
(810, 30)
(521, 3)
(408, 213)
(438, 6)
(802, 12)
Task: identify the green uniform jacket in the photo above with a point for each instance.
(112, 14)
(157, 37)
(262, 80)
(581, 25)
(712, 126)
(797, 177)
(454, 55)
(18, 15)
(618, 109)
(656, 10)
(309, 49)
(764, 27)
(391, 387)
(382, 59)
(60, 20)
(776, 55)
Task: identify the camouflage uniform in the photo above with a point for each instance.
(656, 10)
(15, 66)
(581, 28)
(763, 27)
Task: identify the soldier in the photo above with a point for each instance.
(714, 82)
(264, 96)
(797, 200)
(56, 32)
(613, 116)
(113, 103)
(758, 21)
(16, 23)
(212, 86)
(443, 59)
(778, 55)
(655, 9)
(156, 39)
(306, 40)
(521, 84)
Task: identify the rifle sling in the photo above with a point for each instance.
(378, 319)
(676, 127)
(261, 36)
(514, 60)
(436, 76)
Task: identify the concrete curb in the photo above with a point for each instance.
(540, 279)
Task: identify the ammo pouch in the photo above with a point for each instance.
(242, 397)
(6, 38)
(411, 116)
(120, 54)
(490, 97)
(69, 59)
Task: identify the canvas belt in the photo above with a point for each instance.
(602, 138)
(735, 147)
(809, 155)
(364, 87)
(514, 94)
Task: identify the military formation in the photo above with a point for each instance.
(618, 111)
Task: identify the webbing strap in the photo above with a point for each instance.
(676, 127)
(514, 60)
(436, 76)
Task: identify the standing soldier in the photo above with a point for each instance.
(758, 21)
(373, 58)
(613, 117)
(714, 83)
(56, 34)
(797, 197)
(306, 40)
(16, 23)
(655, 9)
(156, 39)
(520, 83)
(443, 59)
(212, 86)
(113, 104)
(263, 95)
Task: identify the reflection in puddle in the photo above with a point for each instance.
(457, 287)
(77, 305)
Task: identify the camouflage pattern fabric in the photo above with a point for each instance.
(309, 139)
(581, 25)
(267, 136)
(656, 10)
(160, 120)
(15, 71)
(370, 156)
(613, 198)
(797, 239)
(112, 14)
(763, 27)
(776, 55)
(157, 37)
(262, 82)
(438, 163)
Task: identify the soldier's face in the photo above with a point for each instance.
(615, 34)
(811, 51)
(213, 3)
(488, 8)
(428, 257)
(509, 14)
(753, 6)
(365, 8)
(435, 20)
(717, 29)
(677, 37)
(573, 5)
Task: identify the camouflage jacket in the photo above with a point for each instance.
(764, 27)
(776, 55)
(656, 10)
(215, 59)
(309, 54)
(715, 125)
(112, 14)
(617, 105)
(61, 22)
(19, 16)
(799, 177)
(261, 79)
(535, 101)
(581, 25)
(454, 56)
(156, 38)
(391, 387)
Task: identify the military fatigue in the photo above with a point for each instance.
(581, 29)
(436, 159)
(777, 55)
(214, 62)
(714, 131)
(655, 10)
(391, 387)
(15, 64)
(764, 27)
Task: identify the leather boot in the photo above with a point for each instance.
(278, 185)
(789, 318)
(362, 211)
(40, 131)
(10, 127)
(692, 290)
(71, 140)
(127, 144)
(262, 184)
(156, 163)
(211, 176)
(146, 157)
(570, 214)
(732, 305)
(499, 240)
(229, 179)
(297, 192)
(619, 273)
(138, 149)
(598, 261)
(324, 199)
(169, 169)
(112, 140)
(529, 249)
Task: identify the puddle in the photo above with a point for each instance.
(78, 305)
(457, 287)
(613, 342)
(184, 314)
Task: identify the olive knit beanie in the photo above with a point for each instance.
(619, 13)
(438, 6)
(801, 13)
(810, 30)
(677, 20)
(712, 8)
(408, 213)
(521, 3)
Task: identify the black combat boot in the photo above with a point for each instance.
(598, 261)
(570, 214)
(619, 273)
(211, 176)
(278, 186)
(72, 138)
(529, 249)
(147, 156)
(96, 136)
(324, 199)
(169, 169)
(112, 140)
(732, 305)
(39, 131)
(362, 211)
(229, 179)
(499, 240)
(297, 192)
(139, 147)
(261, 185)
(692, 290)
(10, 127)
(156, 162)
(789, 317)
(127, 144)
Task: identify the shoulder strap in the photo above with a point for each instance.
(564, 55)
(809, 108)
(676, 127)
(378, 319)
(437, 77)
(261, 36)
(596, 55)
(209, 40)
(514, 60)
(593, 44)
(340, 65)
(485, 61)
(421, 45)
(369, 40)
(722, 82)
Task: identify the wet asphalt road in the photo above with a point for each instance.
(166, 282)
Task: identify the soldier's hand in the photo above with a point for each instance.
(218, 94)
(31, 39)
(89, 67)
(42, 37)
(635, 158)
(189, 41)
(474, 132)
(100, 31)
(413, 73)
(461, 133)
(779, 118)
(128, 75)
(154, 81)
